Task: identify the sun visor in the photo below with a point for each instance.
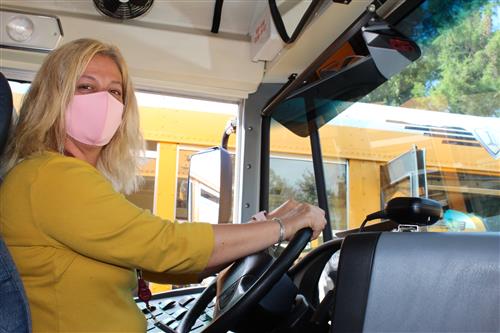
(389, 49)
(386, 53)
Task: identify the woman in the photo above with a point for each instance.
(74, 237)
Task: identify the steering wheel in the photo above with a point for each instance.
(243, 285)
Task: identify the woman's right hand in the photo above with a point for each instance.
(296, 216)
(233, 241)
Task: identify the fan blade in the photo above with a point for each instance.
(139, 2)
(111, 5)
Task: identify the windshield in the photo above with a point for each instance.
(431, 130)
(458, 70)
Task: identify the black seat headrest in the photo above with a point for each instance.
(6, 108)
(418, 282)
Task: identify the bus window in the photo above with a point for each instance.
(291, 175)
(471, 200)
(442, 103)
(145, 197)
(461, 99)
(181, 200)
(445, 103)
(290, 167)
(18, 91)
(174, 128)
(180, 126)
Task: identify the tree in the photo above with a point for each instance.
(279, 190)
(458, 71)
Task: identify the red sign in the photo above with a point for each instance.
(401, 45)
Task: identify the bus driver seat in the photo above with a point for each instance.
(418, 282)
(14, 309)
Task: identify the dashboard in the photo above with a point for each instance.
(169, 308)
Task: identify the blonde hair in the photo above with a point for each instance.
(41, 124)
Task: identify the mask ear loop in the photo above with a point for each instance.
(62, 128)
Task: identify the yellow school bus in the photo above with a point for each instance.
(360, 149)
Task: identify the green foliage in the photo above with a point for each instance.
(304, 190)
(307, 189)
(279, 190)
(458, 71)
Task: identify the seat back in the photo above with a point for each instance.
(14, 309)
(6, 108)
(418, 282)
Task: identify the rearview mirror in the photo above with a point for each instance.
(210, 186)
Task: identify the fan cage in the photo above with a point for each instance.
(124, 10)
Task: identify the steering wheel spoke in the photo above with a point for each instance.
(241, 287)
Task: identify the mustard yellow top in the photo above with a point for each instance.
(77, 242)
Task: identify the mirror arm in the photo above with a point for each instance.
(230, 129)
(280, 26)
(217, 16)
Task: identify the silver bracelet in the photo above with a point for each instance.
(282, 230)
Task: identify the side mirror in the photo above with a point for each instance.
(210, 186)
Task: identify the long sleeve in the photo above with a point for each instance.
(77, 208)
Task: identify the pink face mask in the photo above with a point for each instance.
(93, 118)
